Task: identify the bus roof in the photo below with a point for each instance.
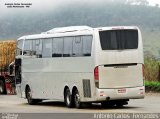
(117, 28)
(69, 29)
(76, 29)
(57, 32)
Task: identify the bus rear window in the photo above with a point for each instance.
(119, 39)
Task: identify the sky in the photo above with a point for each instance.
(153, 2)
(44, 5)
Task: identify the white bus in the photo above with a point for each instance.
(80, 64)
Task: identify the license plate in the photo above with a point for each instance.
(121, 91)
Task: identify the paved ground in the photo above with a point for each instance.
(13, 104)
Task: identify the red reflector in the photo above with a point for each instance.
(102, 93)
(141, 93)
(96, 73)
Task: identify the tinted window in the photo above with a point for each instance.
(87, 45)
(37, 48)
(68, 46)
(47, 48)
(119, 39)
(57, 47)
(77, 46)
(34, 47)
(27, 51)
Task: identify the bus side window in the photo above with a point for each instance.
(27, 51)
(57, 47)
(67, 47)
(87, 45)
(38, 48)
(34, 48)
(77, 46)
(47, 48)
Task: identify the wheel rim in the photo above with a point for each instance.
(77, 100)
(29, 96)
(68, 98)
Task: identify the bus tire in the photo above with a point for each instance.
(108, 104)
(68, 98)
(121, 103)
(29, 97)
(76, 97)
(2, 87)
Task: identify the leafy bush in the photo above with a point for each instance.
(152, 86)
(151, 69)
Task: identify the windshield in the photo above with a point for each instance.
(119, 39)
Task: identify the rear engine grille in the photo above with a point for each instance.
(86, 88)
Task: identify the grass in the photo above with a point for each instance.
(152, 86)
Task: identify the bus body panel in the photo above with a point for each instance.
(55, 75)
(120, 76)
(118, 93)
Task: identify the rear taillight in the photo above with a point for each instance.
(96, 76)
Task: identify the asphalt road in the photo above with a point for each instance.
(13, 104)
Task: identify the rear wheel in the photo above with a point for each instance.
(112, 103)
(29, 97)
(2, 87)
(76, 97)
(68, 98)
(108, 104)
(121, 103)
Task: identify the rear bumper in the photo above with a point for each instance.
(121, 93)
